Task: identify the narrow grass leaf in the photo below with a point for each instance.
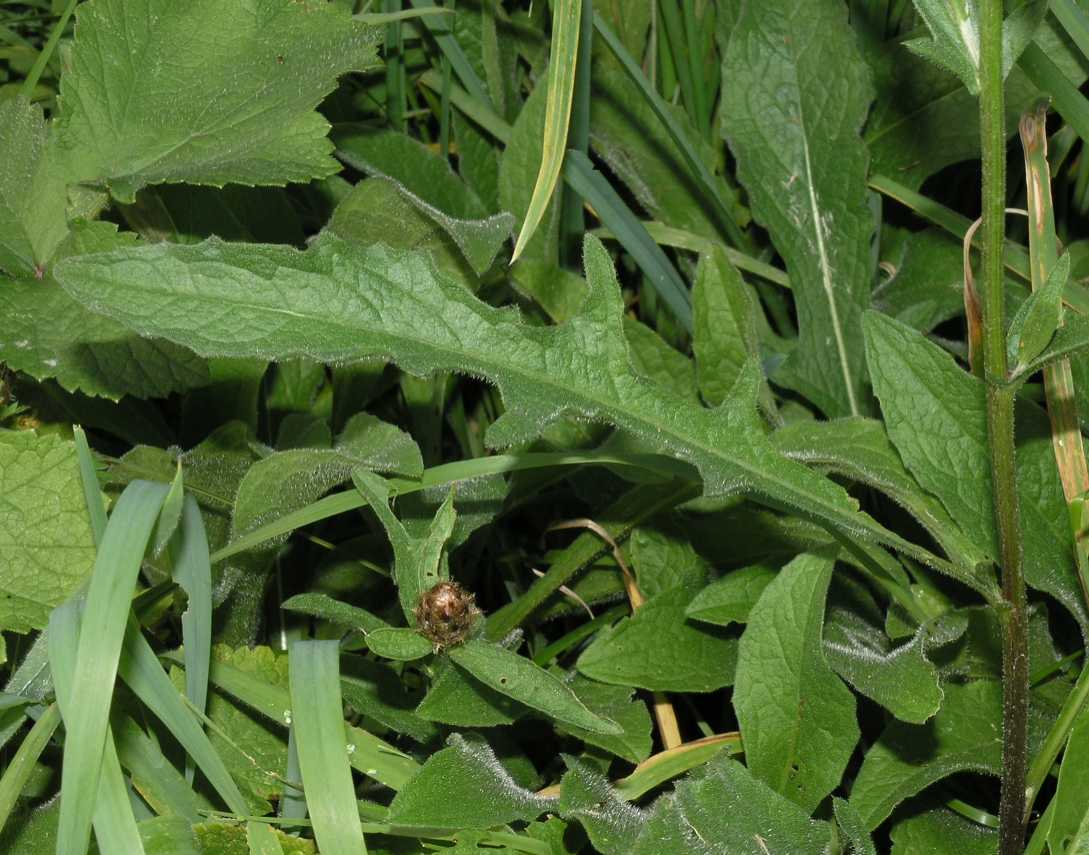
(193, 572)
(96, 505)
(262, 840)
(318, 720)
(103, 628)
(106, 803)
(21, 765)
(561, 85)
(374, 756)
(171, 512)
(141, 671)
(628, 229)
(517, 677)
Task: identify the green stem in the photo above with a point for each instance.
(47, 51)
(1000, 404)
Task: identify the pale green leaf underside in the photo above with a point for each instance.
(207, 91)
(338, 302)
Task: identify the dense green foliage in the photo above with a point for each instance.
(645, 322)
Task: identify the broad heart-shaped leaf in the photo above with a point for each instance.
(519, 678)
(214, 91)
(954, 28)
(797, 718)
(965, 735)
(1036, 321)
(337, 302)
(660, 649)
(419, 562)
(48, 334)
(32, 194)
(729, 810)
(795, 94)
(464, 786)
(936, 416)
(46, 548)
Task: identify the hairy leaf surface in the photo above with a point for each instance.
(338, 302)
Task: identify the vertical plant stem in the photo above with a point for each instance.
(1000, 401)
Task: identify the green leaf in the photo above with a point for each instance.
(964, 735)
(925, 282)
(731, 598)
(107, 606)
(193, 573)
(729, 810)
(797, 719)
(398, 642)
(464, 786)
(611, 823)
(859, 449)
(458, 699)
(566, 15)
(723, 325)
(664, 558)
(1068, 829)
(850, 824)
(390, 302)
(614, 703)
(1036, 321)
(48, 334)
(325, 607)
(254, 73)
(323, 757)
(32, 197)
(939, 829)
(809, 187)
(435, 196)
(517, 677)
(955, 44)
(48, 548)
(419, 562)
(659, 649)
(901, 678)
(376, 690)
(936, 416)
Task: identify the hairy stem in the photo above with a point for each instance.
(1000, 407)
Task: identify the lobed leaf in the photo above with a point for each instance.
(276, 302)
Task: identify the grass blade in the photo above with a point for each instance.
(1065, 97)
(140, 669)
(676, 132)
(561, 86)
(439, 476)
(193, 572)
(107, 804)
(439, 27)
(319, 731)
(572, 222)
(108, 597)
(618, 218)
(1074, 21)
(22, 764)
(96, 507)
